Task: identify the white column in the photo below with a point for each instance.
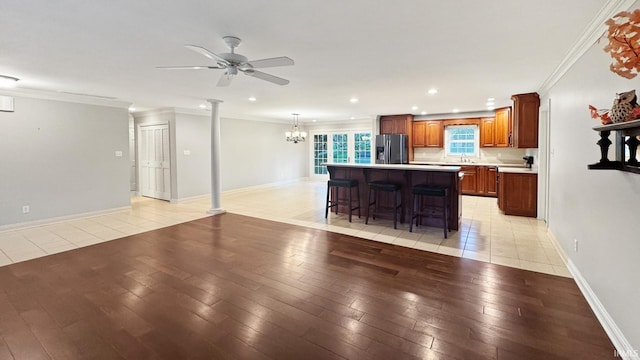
(216, 188)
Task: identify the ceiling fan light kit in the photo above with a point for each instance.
(232, 63)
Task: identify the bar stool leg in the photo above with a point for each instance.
(366, 220)
(444, 215)
(358, 198)
(350, 203)
(326, 208)
(412, 210)
(395, 209)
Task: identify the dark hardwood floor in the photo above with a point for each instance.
(235, 287)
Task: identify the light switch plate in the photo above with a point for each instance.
(118, 153)
(187, 152)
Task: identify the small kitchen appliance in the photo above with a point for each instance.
(528, 161)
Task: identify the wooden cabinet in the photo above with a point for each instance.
(491, 181)
(396, 124)
(502, 136)
(428, 134)
(487, 132)
(525, 120)
(518, 194)
(468, 186)
(479, 180)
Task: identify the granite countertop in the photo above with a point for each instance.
(466, 164)
(412, 166)
(523, 170)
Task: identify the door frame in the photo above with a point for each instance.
(139, 144)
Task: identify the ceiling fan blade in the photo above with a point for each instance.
(267, 77)
(271, 62)
(205, 52)
(198, 67)
(225, 80)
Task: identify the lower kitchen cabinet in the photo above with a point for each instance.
(518, 194)
(469, 185)
(479, 180)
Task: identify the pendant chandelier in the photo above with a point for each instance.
(295, 134)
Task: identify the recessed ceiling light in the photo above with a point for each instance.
(203, 106)
(423, 113)
(490, 103)
(414, 107)
(8, 81)
(353, 100)
(353, 118)
(490, 108)
(252, 99)
(491, 99)
(314, 120)
(432, 91)
(455, 110)
(132, 109)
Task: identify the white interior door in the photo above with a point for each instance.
(155, 164)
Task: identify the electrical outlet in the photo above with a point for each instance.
(25, 209)
(575, 245)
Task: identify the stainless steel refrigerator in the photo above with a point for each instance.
(392, 149)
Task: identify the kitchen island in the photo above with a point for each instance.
(406, 176)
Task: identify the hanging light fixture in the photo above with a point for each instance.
(295, 134)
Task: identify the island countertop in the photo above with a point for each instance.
(417, 167)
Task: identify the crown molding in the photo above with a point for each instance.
(592, 33)
(66, 97)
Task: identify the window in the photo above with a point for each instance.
(340, 148)
(462, 140)
(362, 154)
(319, 153)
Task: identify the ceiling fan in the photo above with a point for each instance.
(232, 63)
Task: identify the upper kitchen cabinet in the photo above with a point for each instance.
(496, 131)
(502, 135)
(428, 134)
(487, 132)
(525, 120)
(396, 124)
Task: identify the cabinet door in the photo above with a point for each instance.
(469, 181)
(520, 194)
(481, 174)
(387, 125)
(491, 181)
(525, 120)
(487, 132)
(434, 134)
(502, 128)
(401, 125)
(419, 133)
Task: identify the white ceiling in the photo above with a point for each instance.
(385, 53)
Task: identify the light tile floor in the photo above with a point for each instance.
(485, 235)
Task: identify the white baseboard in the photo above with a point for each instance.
(624, 348)
(265, 186)
(49, 221)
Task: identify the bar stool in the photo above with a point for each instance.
(333, 186)
(440, 192)
(373, 189)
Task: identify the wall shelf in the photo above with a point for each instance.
(627, 133)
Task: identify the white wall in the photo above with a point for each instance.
(598, 208)
(193, 135)
(256, 153)
(59, 158)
